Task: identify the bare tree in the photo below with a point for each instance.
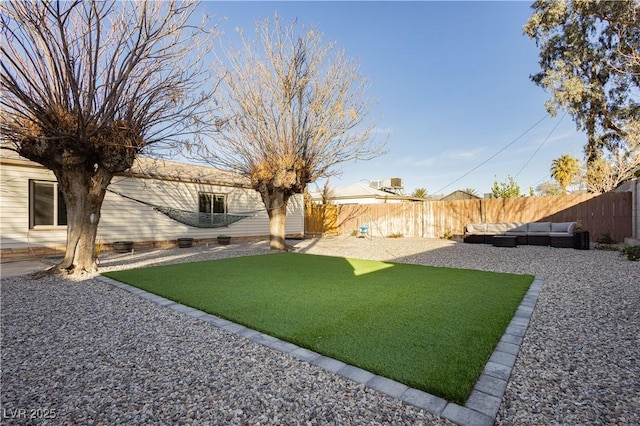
(294, 110)
(549, 188)
(620, 165)
(87, 86)
(327, 193)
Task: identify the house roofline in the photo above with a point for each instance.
(140, 174)
(375, 197)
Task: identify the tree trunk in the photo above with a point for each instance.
(275, 200)
(83, 193)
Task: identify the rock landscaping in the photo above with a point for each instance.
(88, 352)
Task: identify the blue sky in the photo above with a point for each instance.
(451, 80)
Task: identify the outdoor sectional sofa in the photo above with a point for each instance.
(555, 234)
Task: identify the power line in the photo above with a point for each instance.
(540, 146)
(540, 181)
(493, 156)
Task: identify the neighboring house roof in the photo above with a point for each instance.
(358, 192)
(459, 195)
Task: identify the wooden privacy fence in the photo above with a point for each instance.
(607, 214)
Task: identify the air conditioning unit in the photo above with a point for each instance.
(397, 183)
(393, 183)
(375, 184)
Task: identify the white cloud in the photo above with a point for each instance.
(462, 154)
(428, 161)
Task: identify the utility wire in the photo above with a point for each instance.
(493, 156)
(540, 146)
(540, 181)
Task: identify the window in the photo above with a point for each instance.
(211, 203)
(46, 205)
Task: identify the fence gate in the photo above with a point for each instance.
(321, 219)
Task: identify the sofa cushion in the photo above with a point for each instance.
(560, 234)
(477, 228)
(496, 228)
(538, 228)
(565, 227)
(516, 228)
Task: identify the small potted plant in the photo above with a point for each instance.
(123, 246)
(185, 242)
(224, 240)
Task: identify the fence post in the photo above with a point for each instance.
(635, 209)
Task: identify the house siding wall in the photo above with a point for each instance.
(125, 219)
(14, 210)
(633, 186)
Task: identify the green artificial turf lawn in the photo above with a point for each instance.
(430, 328)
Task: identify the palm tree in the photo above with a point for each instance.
(471, 191)
(420, 193)
(565, 170)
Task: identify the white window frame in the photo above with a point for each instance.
(57, 199)
(214, 196)
(203, 215)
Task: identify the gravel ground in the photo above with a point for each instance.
(82, 351)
